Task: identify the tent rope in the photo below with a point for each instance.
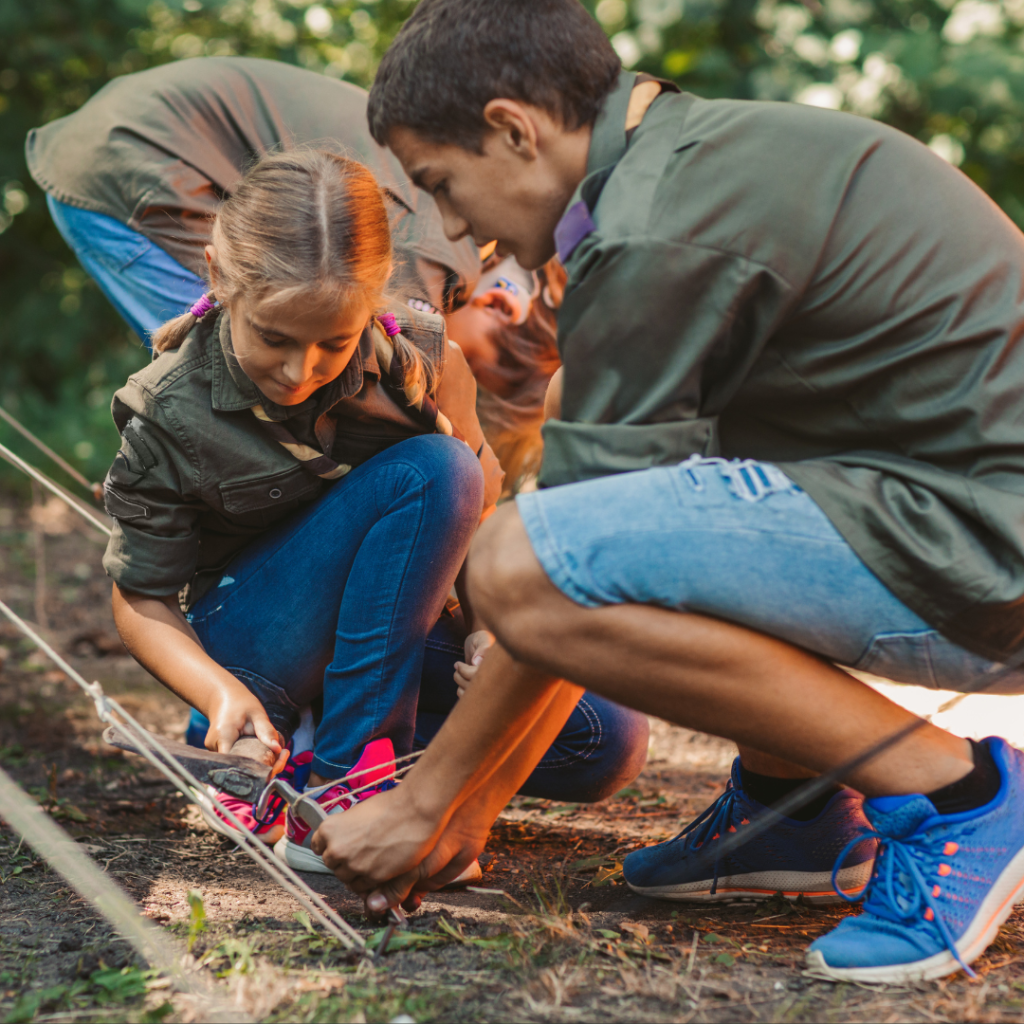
(94, 489)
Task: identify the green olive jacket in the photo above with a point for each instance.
(820, 291)
(198, 476)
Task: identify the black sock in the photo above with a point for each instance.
(769, 790)
(977, 788)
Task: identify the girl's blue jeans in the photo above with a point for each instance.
(343, 603)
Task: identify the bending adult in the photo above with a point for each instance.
(767, 284)
(135, 176)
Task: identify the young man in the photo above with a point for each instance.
(825, 303)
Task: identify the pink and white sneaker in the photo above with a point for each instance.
(375, 765)
(271, 827)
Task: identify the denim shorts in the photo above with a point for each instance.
(738, 540)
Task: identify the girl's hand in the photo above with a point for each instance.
(237, 713)
(476, 646)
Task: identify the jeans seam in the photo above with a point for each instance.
(596, 736)
(550, 557)
(405, 569)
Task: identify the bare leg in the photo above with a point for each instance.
(703, 673)
(765, 764)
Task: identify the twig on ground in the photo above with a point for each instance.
(693, 953)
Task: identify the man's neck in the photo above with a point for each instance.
(568, 157)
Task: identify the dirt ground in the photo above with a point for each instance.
(567, 941)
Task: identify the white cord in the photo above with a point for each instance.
(186, 783)
(20, 463)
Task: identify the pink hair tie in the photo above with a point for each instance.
(201, 308)
(390, 324)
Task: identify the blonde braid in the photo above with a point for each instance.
(172, 334)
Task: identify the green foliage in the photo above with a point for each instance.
(119, 986)
(105, 987)
(950, 72)
(196, 917)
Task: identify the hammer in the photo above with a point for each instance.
(314, 816)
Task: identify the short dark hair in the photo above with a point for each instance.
(452, 57)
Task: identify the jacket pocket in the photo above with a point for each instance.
(268, 496)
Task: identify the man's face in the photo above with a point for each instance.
(494, 195)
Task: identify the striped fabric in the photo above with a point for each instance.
(415, 401)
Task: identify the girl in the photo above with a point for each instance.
(508, 334)
(299, 479)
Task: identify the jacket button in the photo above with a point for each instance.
(276, 492)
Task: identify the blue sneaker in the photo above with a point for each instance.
(792, 857)
(942, 886)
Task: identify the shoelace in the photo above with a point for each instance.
(897, 872)
(712, 822)
(297, 775)
(344, 793)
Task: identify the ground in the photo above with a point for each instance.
(567, 941)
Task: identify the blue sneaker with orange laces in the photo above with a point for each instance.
(792, 857)
(942, 885)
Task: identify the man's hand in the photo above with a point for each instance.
(390, 853)
(476, 646)
(377, 840)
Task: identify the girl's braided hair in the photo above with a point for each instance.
(304, 222)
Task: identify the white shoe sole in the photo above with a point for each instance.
(994, 910)
(472, 874)
(814, 887)
(301, 858)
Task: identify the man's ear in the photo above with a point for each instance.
(515, 125)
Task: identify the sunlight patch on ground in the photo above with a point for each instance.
(975, 717)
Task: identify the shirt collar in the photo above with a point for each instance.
(233, 390)
(609, 141)
(607, 145)
(608, 138)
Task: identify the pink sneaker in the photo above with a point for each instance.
(271, 827)
(296, 846)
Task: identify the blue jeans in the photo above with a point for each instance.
(145, 285)
(341, 603)
(740, 541)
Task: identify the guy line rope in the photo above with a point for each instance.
(154, 752)
(185, 782)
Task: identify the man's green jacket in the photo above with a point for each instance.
(819, 291)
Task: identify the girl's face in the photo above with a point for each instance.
(473, 328)
(289, 349)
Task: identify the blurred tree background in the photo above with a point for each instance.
(949, 72)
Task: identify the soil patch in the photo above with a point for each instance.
(559, 937)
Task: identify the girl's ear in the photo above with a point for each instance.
(211, 261)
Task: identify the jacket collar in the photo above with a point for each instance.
(608, 138)
(609, 141)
